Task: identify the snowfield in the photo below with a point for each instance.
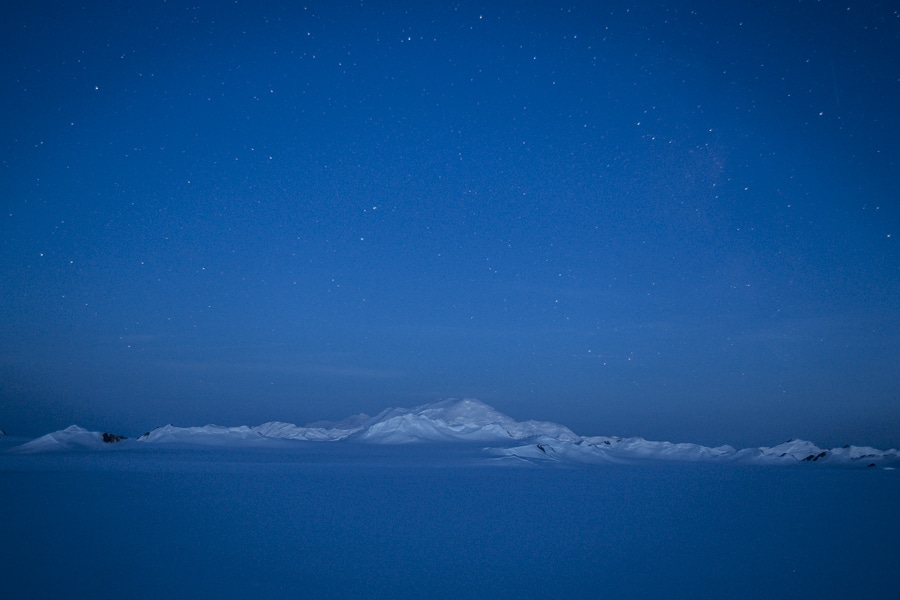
(425, 503)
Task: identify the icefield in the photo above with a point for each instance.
(450, 500)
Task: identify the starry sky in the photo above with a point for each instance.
(675, 220)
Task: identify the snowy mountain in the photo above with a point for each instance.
(70, 438)
(504, 439)
(455, 420)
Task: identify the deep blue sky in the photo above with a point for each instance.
(677, 220)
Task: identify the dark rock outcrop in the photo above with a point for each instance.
(815, 457)
(111, 438)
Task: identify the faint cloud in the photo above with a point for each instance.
(300, 369)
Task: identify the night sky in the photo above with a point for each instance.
(675, 220)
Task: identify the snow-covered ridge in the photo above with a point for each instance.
(505, 439)
(209, 434)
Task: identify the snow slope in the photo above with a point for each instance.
(468, 420)
(70, 438)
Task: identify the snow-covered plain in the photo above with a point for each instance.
(422, 502)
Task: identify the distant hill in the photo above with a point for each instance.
(502, 439)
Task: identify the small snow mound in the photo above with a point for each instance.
(547, 449)
(859, 452)
(799, 450)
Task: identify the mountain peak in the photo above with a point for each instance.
(455, 420)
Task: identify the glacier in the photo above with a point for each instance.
(503, 439)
